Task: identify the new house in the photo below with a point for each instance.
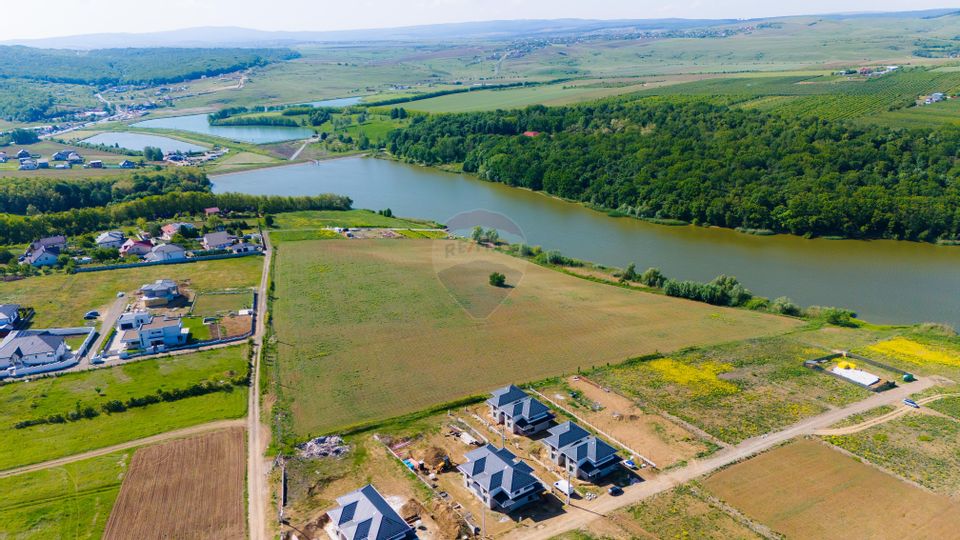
(499, 479)
(519, 412)
(218, 240)
(29, 349)
(110, 239)
(135, 247)
(9, 316)
(159, 332)
(583, 455)
(132, 320)
(159, 293)
(166, 252)
(365, 515)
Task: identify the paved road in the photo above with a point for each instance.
(582, 513)
(108, 321)
(178, 434)
(257, 434)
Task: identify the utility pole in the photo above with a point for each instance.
(569, 485)
(503, 438)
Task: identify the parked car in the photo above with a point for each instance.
(90, 315)
(616, 491)
(911, 403)
(120, 294)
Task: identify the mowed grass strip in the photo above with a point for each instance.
(59, 395)
(72, 501)
(370, 329)
(314, 219)
(807, 490)
(190, 488)
(62, 299)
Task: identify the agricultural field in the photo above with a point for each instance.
(808, 490)
(62, 299)
(70, 501)
(373, 329)
(189, 488)
(919, 447)
(42, 397)
(514, 98)
(214, 303)
(315, 219)
(736, 390)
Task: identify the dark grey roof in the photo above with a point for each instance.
(565, 434)
(161, 285)
(217, 238)
(506, 395)
(35, 254)
(495, 468)
(30, 344)
(526, 410)
(364, 514)
(10, 311)
(592, 449)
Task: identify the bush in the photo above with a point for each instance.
(653, 277)
(497, 279)
(630, 274)
(785, 306)
(832, 315)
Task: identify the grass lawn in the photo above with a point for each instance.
(52, 395)
(62, 299)
(315, 219)
(213, 304)
(72, 501)
(198, 330)
(370, 329)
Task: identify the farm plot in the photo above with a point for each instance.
(190, 488)
(373, 329)
(808, 490)
(734, 391)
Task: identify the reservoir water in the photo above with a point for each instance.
(139, 141)
(198, 123)
(884, 281)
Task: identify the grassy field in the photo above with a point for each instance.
(315, 219)
(373, 329)
(921, 448)
(808, 490)
(60, 395)
(213, 304)
(72, 501)
(737, 390)
(62, 299)
(512, 98)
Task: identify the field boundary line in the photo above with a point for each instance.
(153, 439)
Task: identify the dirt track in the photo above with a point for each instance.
(257, 434)
(902, 410)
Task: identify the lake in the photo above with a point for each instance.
(198, 123)
(884, 281)
(139, 141)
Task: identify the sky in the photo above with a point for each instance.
(52, 18)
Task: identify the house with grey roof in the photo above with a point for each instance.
(365, 515)
(499, 479)
(110, 239)
(218, 240)
(42, 256)
(519, 412)
(166, 252)
(583, 455)
(163, 289)
(9, 316)
(31, 349)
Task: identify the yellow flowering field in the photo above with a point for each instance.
(914, 352)
(702, 380)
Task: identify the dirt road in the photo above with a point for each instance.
(109, 321)
(902, 410)
(257, 434)
(180, 433)
(582, 513)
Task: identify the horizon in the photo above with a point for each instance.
(442, 12)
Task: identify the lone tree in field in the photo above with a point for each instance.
(497, 279)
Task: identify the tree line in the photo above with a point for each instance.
(708, 163)
(18, 229)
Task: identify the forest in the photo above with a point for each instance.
(22, 101)
(31, 196)
(131, 66)
(705, 163)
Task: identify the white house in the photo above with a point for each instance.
(575, 450)
(166, 252)
(171, 229)
(499, 479)
(365, 515)
(135, 247)
(519, 412)
(9, 315)
(110, 239)
(29, 349)
(159, 332)
(133, 319)
(43, 256)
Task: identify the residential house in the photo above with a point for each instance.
(23, 154)
(135, 247)
(212, 211)
(74, 158)
(57, 242)
(43, 164)
(581, 454)
(519, 412)
(61, 155)
(158, 332)
(244, 247)
(159, 293)
(365, 515)
(499, 479)
(218, 240)
(166, 252)
(42, 256)
(28, 165)
(171, 229)
(133, 319)
(95, 164)
(127, 164)
(110, 239)
(9, 316)
(29, 349)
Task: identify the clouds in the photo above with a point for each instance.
(47, 18)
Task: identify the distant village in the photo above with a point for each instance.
(67, 159)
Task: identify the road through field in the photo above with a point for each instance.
(185, 432)
(583, 513)
(257, 489)
(902, 410)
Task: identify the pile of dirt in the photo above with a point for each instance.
(314, 529)
(411, 511)
(447, 520)
(433, 457)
